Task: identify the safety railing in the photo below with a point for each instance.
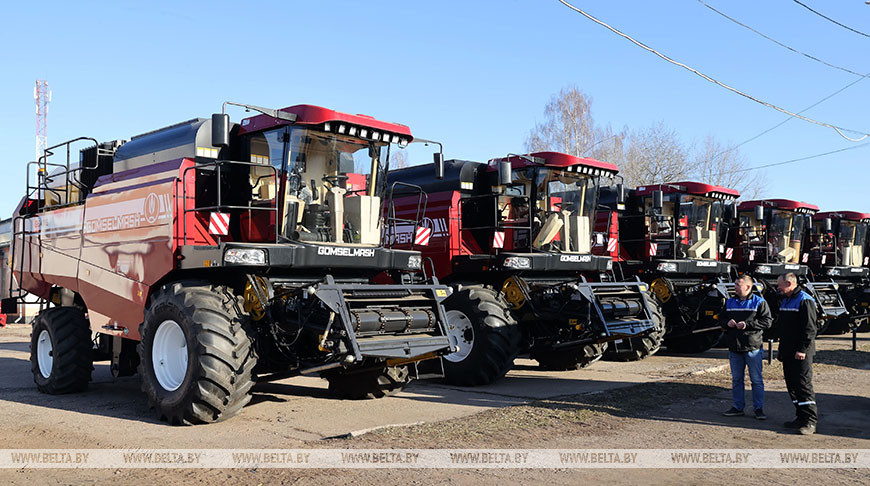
(218, 166)
(390, 233)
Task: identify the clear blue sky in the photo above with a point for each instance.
(473, 74)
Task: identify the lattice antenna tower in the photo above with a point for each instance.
(42, 96)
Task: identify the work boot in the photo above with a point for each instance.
(808, 429)
(759, 414)
(733, 412)
(793, 424)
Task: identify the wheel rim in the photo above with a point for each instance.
(461, 333)
(169, 355)
(44, 355)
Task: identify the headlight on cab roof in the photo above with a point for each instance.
(764, 269)
(518, 262)
(415, 262)
(667, 267)
(245, 256)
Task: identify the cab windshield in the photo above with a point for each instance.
(851, 242)
(330, 184)
(686, 227)
(785, 236)
(562, 205)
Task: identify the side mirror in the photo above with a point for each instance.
(620, 194)
(658, 199)
(220, 130)
(829, 226)
(759, 213)
(438, 157)
(504, 173)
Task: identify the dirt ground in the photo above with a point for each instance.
(678, 405)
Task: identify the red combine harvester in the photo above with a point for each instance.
(514, 237)
(669, 238)
(839, 250)
(769, 238)
(206, 255)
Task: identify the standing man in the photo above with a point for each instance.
(745, 318)
(797, 325)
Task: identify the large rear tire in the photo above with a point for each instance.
(195, 357)
(570, 359)
(488, 337)
(369, 384)
(60, 351)
(641, 347)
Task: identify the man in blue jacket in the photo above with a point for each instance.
(797, 325)
(745, 318)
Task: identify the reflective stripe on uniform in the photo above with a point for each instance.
(806, 403)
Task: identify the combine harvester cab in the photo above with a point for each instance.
(515, 238)
(839, 250)
(227, 252)
(669, 238)
(769, 238)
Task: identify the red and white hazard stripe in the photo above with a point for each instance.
(806, 257)
(611, 245)
(653, 249)
(729, 252)
(498, 239)
(422, 236)
(824, 258)
(866, 261)
(751, 255)
(219, 224)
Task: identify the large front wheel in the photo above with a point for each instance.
(488, 338)
(195, 358)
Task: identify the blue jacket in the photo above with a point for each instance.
(797, 324)
(755, 312)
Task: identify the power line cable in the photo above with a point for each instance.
(765, 132)
(796, 51)
(829, 18)
(792, 161)
(838, 129)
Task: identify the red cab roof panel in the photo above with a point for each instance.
(695, 188)
(784, 204)
(847, 215)
(316, 115)
(558, 159)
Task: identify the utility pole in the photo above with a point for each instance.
(42, 96)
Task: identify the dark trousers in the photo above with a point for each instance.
(799, 380)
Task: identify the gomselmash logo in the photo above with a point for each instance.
(345, 252)
(576, 258)
(706, 264)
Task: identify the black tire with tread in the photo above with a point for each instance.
(642, 347)
(569, 359)
(220, 359)
(497, 337)
(370, 384)
(71, 344)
